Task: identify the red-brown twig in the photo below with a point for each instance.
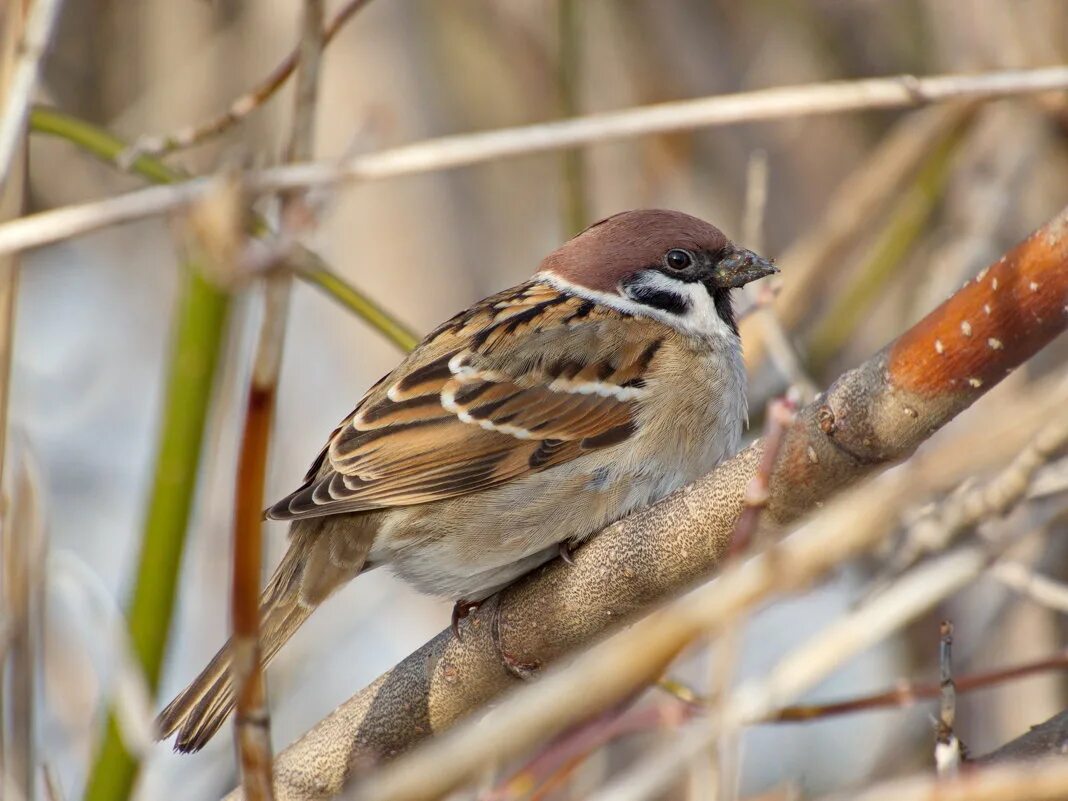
(949, 751)
(253, 739)
(780, 416)
(558, 760)
(907, 693)
(163, 144)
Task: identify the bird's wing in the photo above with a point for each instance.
(526, 380)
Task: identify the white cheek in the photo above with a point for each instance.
(701, 320)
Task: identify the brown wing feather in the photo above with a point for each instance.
(474, 406)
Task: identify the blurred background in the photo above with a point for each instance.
(95, 313)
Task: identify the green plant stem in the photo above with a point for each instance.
(198, 340)
(108, 148)
(903, 228)
(314, 271)
(575, 212)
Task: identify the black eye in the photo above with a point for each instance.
(678, 259)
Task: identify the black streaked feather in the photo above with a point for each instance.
(612, 436)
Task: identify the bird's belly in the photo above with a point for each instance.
(469, 547)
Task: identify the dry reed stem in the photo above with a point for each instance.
(1040, 589)
(21, 78)
(873, 415)
(447, 152)
(762, 297)
(22, 556)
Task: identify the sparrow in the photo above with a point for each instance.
(516, 429)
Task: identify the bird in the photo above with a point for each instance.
(515, 430)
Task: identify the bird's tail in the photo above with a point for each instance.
(313, 567)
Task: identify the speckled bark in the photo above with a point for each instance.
(872, 416)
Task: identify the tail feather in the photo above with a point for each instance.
(200, 710)
(303, 579)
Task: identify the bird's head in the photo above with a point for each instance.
(664, 264)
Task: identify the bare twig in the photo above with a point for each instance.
(907, 694)
(761, 298)
(780, 417)
(252, 734)
(949, 750)
(22, 79)
(163, 144)
(466, 149)
(252, 713)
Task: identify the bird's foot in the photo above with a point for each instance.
(460, 610)
(565, 552)
(520, 668)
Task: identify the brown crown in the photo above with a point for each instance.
(617, 246)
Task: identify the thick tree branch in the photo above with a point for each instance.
(872, 416)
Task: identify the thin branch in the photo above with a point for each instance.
(18, 94)
(949, 751)
(873, 415)
(907, 694)
(761, 297)
(780, 416)
(252, 733)
(447, 152)
(164, 144)
(252, 715)
(306, 264)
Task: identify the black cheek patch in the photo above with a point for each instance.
(659, 299)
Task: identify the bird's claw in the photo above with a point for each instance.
(460, 610)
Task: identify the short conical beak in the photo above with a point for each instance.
(741, 266)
